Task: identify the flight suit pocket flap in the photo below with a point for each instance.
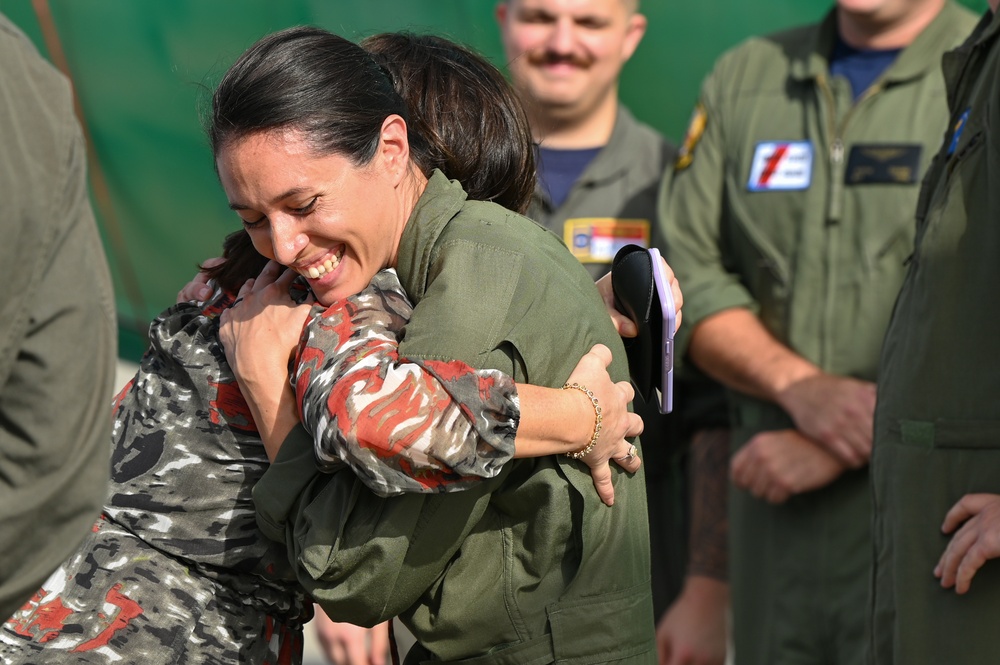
(951, 433)
(581, 627)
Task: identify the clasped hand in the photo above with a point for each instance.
(260, 334)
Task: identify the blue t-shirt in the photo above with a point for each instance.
(559, 169)
(861, 67)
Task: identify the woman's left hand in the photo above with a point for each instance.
(624, 325)
(260, 334)
(617, 422)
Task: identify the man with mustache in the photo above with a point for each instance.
(598, 178)
(598, 167)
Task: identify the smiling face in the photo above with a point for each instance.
(565, 55)
(328, 219)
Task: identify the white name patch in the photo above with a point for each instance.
(781, 166)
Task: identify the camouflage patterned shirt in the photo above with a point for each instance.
(401, 425)
(177, 570)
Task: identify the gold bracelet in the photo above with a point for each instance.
(580, 454)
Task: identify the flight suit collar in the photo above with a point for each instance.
(916, 60)
(441, 201)
(955, 62)
(612, 160)
(987, 29)
(620, 149)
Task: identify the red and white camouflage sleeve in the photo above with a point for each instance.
(401, 425)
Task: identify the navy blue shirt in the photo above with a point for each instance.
(559, 169)
(861, 67)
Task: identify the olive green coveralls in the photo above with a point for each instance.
(58, 332)
(937, 424)
(619, 189)
(798, 206)
(527, 567)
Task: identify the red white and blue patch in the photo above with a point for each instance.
(781, 166)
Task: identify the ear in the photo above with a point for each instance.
(394, 148)
(634, 32)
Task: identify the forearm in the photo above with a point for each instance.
(402, 425)
(553, 421)
(735, 348)
(277, 419)
(709, 467)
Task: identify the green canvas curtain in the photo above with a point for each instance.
(143, 69)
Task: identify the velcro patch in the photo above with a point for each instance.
(781, 166)
(956, 134)
(883, 164)
(685, 154)
(598, 239)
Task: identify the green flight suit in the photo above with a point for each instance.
(621, 183)
(57, 327)
(937, 424)
(528, 567)
(798, 206)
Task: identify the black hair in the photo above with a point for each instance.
(309, 80)
(462, 115)
(472, 124)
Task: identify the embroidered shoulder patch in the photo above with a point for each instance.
(699, 120)
(956, 133)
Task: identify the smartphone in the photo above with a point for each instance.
(668, 317)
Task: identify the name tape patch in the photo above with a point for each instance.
(883, 164)
(781, 166)
(598, 239)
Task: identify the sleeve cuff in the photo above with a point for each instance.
(277, 492)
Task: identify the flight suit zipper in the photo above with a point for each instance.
(835, 149)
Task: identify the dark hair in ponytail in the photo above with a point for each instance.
(462, 116)
(473, 126)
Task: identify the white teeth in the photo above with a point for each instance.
(329, 265)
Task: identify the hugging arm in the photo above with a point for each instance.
(404, 424)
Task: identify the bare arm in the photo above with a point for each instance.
(709, 542)
(777, 465)
(348, 373)
(733, 347)
(694, 628)
(624, 325)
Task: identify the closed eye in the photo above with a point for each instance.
(306, 209)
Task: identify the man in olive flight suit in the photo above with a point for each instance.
(57, 328)
(789, 220)
(936, 458)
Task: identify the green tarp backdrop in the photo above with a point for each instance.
(143, 68)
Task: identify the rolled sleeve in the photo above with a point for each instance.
(691, 207)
